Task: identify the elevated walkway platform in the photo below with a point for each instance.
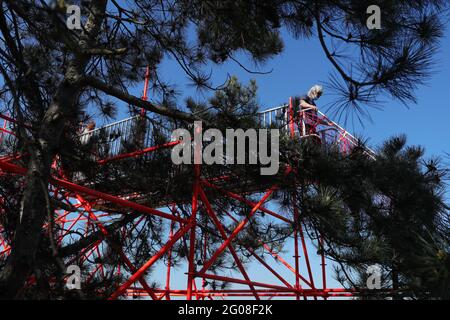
(134, 143)
(137, 138)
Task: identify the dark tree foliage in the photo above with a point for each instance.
(389, 211)
(54, 78)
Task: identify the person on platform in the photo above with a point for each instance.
(306, 109)
(86, 133)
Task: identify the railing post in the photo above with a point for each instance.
(291, 117)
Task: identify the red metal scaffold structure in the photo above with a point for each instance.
(296, 280)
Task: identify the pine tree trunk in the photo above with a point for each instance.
(29, 229)
(22, 260)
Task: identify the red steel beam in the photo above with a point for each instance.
(285, 263)
(139, 152)
(140, 272)
(305, 253)
(113, 199)
(243, 200)
(219, 226)
(296, 254)
(191, 262)
(104, 196)
(276, 256)
(256, 284)
(338, 292)
(252, 252)
(237, 230)
(88, 208)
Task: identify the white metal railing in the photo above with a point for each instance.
(274, 117)
(325, 128)
(137, 131)
(127, 135)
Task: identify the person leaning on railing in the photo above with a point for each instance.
(86, 133)
(307, 104)
(87, 139)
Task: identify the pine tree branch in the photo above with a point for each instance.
(138, 102)
(85, 242)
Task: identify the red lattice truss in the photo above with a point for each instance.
(300, 284)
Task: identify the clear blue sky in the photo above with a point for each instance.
(303, 64)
